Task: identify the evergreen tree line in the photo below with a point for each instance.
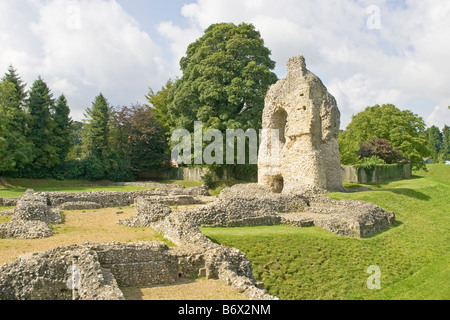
(38, 138)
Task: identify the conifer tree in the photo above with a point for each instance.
(15, 149)
(12, 76)
(62, 128)
(16, 100)
(97, 129)
(41, 131)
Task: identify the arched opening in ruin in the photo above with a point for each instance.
(278, 184)
(279, 122)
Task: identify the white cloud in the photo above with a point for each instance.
(83, 47)
(180, 38)
(439, 117)
(406, 59)
(358, 92)
(80, 48)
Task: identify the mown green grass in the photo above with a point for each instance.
(310, 263)
(16, 187)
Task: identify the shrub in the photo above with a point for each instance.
(208, 180)
(94, 168)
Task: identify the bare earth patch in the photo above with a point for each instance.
(94, 226)
(200, 289)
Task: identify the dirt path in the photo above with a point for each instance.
(199, 289)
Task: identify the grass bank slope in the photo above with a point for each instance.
(311, 263)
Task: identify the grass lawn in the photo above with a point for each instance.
(10, 187)
(310, 263)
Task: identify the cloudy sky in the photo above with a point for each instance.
(366, 52)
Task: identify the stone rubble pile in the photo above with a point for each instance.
(31, 218)
(147, 212)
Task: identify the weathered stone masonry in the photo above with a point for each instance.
(308, 120)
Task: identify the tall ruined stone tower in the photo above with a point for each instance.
(307, 120)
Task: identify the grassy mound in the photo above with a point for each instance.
(311, 263)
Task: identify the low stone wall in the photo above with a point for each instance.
(8, 202)
(61, 274)
(246, 205)
(108, 199)
(357, 219)
(138, 264)
(189, 174)
(353, 174)
(254, 205)
(97, 271)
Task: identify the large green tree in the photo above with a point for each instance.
(41, 130)
(226, 74)
(404, 129)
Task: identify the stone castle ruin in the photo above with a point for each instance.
(290, 191)
(307, 120)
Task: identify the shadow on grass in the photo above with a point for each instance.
(394, 226)
(384, 186)
(213, 240)
(408, 192)
(379, 184)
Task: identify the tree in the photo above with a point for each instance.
(402, 128)
(434, 142)
(62, 128)
(19, 86)
(139, 138)
(16, 99)
(348, 149)
(76, 140)
(41, 131)
(160, 102)
(445, 151)
(380, 148)
(226, 74)
(15, 150)
(97, 129)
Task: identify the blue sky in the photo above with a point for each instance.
(366, 51)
